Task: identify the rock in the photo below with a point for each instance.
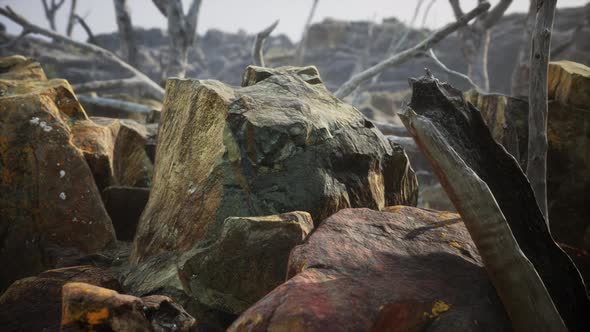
(124, 205)
(34, 303)
(17, 67)
(569, 83)
(280, 143)
(48, 199)
(158, 274)
(400, 269)
(247, 261)
(115, 151)
(90, 308)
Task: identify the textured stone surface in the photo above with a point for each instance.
(90, 308)
(247, 261)
(401, 269)
(280, 143)
(34, 303)
(48, 199)
(569, 83)
(124, 205)
(115, 151)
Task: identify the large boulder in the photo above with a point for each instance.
(401, 269)
(48, 198)
(34, 303)
(280, 143)
(115, 151)
(248, 260)
(87, 307)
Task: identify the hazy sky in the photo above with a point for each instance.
(252, 15)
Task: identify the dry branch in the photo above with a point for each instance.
(257, 50)
(436, 60)
(86, 28)
(51, 10)
(300, 51)
(71, 18)
(150, 88)
(126, 34)
(537, 144)
(122, 105)
(499, 209)
(403, 56)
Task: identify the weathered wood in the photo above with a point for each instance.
(122, 105)
(50, 11)
(71, 18)
(126, 35)
(444, 67)
(537, 148)
(151, 88)
(300, 51)
(519, 82)
(494, 198)
(257, 50)
(349, 86)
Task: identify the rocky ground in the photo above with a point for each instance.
(255, 200)
(269, 206)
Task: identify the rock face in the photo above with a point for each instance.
(48, 199)
(280, 143)
(247, 261)
(402, 269)
(90, 308)
(124, 205)
(569, 83)
(34, 303)
(115, 151)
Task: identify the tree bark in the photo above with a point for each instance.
(71, 18)
(257, 50)
(519, 82)
(182, 31)
(300, 51)
(537, 145)
(126, 34)
(498, 206)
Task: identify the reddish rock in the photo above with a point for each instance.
(407, 269)
(90, 308)
(48, 199)
(34, 303)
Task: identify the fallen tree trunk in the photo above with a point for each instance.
(122, 105)
(498, 206)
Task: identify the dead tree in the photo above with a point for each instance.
(349, 86)
(149, 87)
(448, 70)
(257, 50)
(126, 34)
(182, 31)
(519, 82)
(300, 51)
(426, 12)
(539, 285)
(476, 39)
(537, 144)
(86, 28)
(50, 11)
(71, 18)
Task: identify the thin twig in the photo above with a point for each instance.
(257, 50)
(433, 56)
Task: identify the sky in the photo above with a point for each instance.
(252, 15)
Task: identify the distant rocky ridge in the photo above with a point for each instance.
(333, 47)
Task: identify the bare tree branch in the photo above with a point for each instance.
(125, 106)
(16, 39)
(71, 18)
(408, 29)
(403, 56)
(496, 13)
(97, 86)
(426, 12)
(300, 51)
(151, 88)
(433, 56)
(257, 50)
(51, 10)
(537, 144)
(519, 80)
(126, 35)
(162, 6)
(456, 8)
(86, 28)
